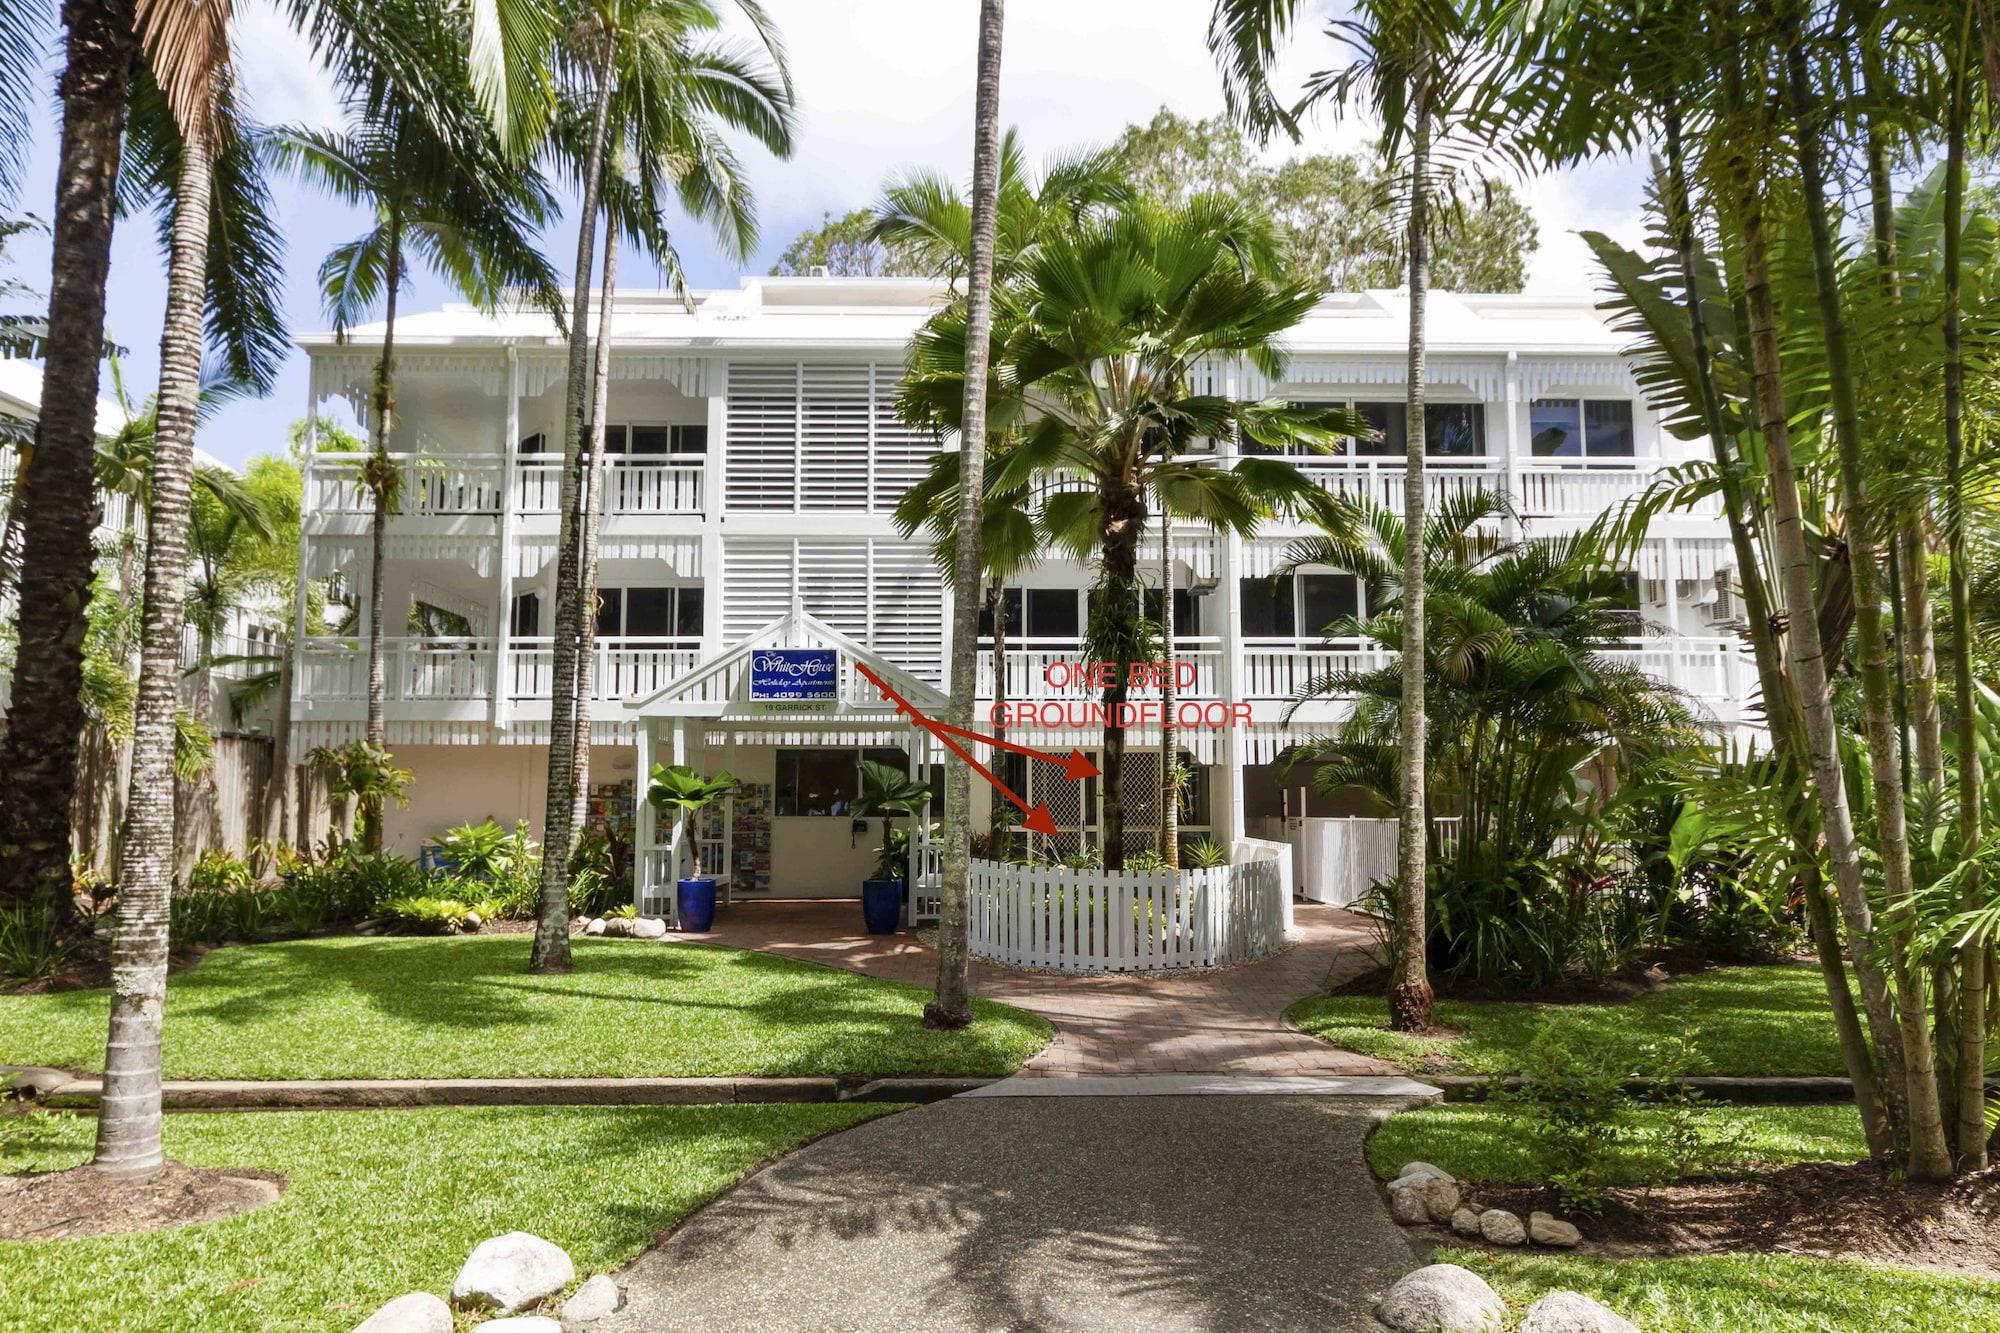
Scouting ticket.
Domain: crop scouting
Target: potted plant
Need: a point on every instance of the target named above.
(679, 789)
(886, 791)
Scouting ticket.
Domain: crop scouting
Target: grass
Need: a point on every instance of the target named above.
(1481, 1142)
(1740, 1020)
(383, 1202)
(1748, 1293)
(466, 1007)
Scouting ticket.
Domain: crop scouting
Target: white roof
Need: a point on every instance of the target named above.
(21, 396)
(775, 313)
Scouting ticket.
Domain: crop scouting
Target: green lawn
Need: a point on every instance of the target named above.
(1748, 1293)
(383, 1202)
(466, 1007)
(1480, 1142)
(1741, 1020)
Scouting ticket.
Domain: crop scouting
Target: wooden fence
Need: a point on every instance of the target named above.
(1126, 920)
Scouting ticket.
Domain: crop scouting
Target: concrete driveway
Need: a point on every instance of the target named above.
(1161, 1214)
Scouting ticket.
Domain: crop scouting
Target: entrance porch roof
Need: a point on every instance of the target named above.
(719, 686)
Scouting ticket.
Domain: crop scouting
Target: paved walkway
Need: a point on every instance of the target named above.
(1224, 1022)
(1161, 1214)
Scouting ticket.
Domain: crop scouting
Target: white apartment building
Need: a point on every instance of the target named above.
(755, 461)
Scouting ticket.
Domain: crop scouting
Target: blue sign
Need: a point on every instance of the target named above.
(794, 675)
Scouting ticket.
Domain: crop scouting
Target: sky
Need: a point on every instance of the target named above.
(882, 84)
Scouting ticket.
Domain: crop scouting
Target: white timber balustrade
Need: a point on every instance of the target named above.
(1382, 480)
(432, 484)
(631, 486)
(1093, 920)
(623, 667)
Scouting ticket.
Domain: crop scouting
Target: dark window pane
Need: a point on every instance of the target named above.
(614, 439)
(690, 440)
(649, 439)
(1607, 424)
(649, 612)
(1454, 430)
(610, 612)
(1052, 614)
(1187, 613)
(1010, 614)
(1325, 598)
(527, 615)
(1555, 428)
(1387, 420)
(1268, 612)
(687, 612)
(817, 782)
(535, 444)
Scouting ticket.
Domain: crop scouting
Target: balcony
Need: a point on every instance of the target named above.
(436, 671)
(1029, 662)
(1381, 479)
(453, 485)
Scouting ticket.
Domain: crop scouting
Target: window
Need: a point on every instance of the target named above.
(1325, 598)
(1269, 611)
(1581, 428)
(535, 444)
(527, 619)
(828, 782)
(1251, 446)
(648, 613)
(1387, 421)
(1454, 430)
(655, 441)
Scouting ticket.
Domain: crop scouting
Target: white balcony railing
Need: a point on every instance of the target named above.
(455, 670)
(631, 485)
(434, 484)
(1038, 669)
(1381, 479)
(622, 668)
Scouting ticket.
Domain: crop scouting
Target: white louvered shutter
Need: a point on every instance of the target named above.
(902, 455)
(834, 453)
(757, 584)
(907, 596)
(763, 436)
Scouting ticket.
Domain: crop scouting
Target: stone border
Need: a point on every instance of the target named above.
(1749, 1090)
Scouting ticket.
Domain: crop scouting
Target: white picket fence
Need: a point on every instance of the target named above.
(1127, 920)
(1336, 859)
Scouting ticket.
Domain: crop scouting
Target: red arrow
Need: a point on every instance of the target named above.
(1076, 767)
(1038, 820)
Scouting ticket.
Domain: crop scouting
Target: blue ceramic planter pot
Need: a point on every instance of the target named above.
(882, 905)
(696, 899)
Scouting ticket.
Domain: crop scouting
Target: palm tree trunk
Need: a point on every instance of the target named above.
(551, 947)
(1920, 654)
(999, 835)
(592, 470)
(1780, 707)
(44, 729)
(1930, 1153)
(951, 1004)
(1124, 512)
(277, 788)
(383, 484)
(1970, 1126)
(1170, 761)
(1410, 997)
(128, 1124)
(1803, 644)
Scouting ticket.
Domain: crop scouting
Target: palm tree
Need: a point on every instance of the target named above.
(653, 91)
(1099, 334)
(1435, 75)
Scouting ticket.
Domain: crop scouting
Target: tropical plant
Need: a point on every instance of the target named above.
(1207, 854)
(642, 92)
(685, 793)
(359, 771)
(888, 791)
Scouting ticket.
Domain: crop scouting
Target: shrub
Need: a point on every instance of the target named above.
(420, 915)
(215, 916)
(33, 944)
(1145, 859)
(1575, 1110)
(1205, 854)
(219, 868)
(486, 850)
(592, 894)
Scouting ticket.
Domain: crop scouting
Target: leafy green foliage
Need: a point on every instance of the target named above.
(33, 944)
(888, 791)
(423, 915)
(1206, 853)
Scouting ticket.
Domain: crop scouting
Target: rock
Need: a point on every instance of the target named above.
(1417, 1169)
(524, 1323)
(595, 926)
(619, 925)
(512, 1272)
(1406, 1205)
(418, 1312)
(648, 928)
(1465, 1222)
(471, 921)
(591, 1301)
(1567, 1312)
(1442, 1298)
(1440, 1198)
(1501, 1227)
(1546, 1230)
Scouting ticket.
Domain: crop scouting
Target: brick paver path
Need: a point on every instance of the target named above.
(1224, 1022)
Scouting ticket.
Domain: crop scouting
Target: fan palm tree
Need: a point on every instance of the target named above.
(1099, 333)
(1435, 74)
(448, 198)
(659, 94)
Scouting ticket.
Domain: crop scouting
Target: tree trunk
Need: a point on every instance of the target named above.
(551, 948)
(1930, 1153)
(1124, 511)
(58, 492)
(277, 821)
(1920, 654)
(1970, 1126)
(951, 1005)
(1410, 997)
(382, 485)
(1780, 707)
(1170, 755)
(999, 832)
(593, 468)
(128, 1123)
(1803, 644)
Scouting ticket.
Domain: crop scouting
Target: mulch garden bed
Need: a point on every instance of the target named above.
(1818, 1209)
(89, 968)
(51, 1205)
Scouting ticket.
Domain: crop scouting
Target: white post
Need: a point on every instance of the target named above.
(1669, 568)
(712, 478)
(1511, 438)
(503, 618)
(645, 823)
(1229, 550)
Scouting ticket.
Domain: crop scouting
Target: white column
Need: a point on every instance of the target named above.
(645, 824)
(1511, 437)
(1228, 558)
(713, 476)
(503, 612)
(1670, 583)
(677, 840)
